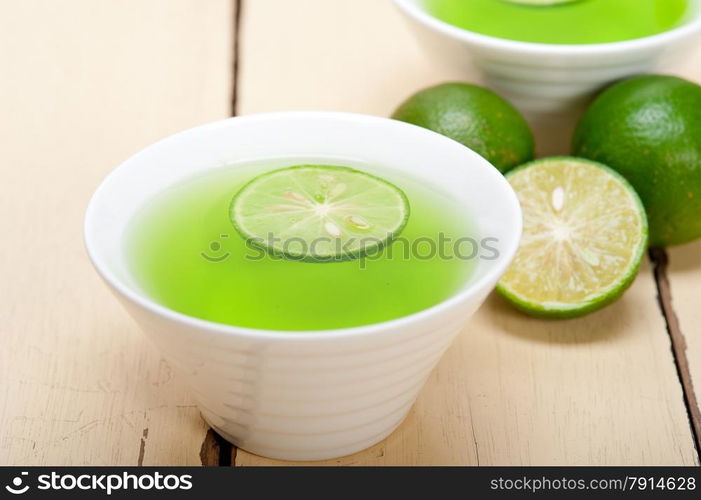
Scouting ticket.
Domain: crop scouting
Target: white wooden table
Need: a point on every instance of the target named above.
(86, 83)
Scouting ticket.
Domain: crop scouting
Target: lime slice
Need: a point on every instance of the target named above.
(584, 236)
(319, 212)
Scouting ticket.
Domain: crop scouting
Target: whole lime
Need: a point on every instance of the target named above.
(648, 128)
(474, 116)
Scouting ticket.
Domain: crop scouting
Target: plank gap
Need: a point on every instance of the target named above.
(216, 451)
(238, 8)
(227, 453)
(660, 261)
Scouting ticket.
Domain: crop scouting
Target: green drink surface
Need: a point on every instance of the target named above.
(577, 22)
(184, 253)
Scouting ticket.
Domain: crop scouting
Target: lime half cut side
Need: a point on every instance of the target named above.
(584, 236)
(319, 212)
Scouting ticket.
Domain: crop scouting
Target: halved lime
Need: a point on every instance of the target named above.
(584, 236)
(319, 212)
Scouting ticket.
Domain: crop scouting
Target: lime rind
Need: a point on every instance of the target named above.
(601, 297)
(348, 213)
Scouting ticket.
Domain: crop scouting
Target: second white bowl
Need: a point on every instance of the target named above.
(546, 77)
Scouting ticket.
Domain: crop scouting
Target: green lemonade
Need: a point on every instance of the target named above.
(184, 252)
(576, 22)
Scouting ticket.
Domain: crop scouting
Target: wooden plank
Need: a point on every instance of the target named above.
(336, 56)
(684, 274)
(511, 390)
(85, 85)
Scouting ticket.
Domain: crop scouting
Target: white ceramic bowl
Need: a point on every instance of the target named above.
(546, 77)
(304, 395)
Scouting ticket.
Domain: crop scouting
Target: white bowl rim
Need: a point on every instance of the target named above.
(411, 8)
(471, 291)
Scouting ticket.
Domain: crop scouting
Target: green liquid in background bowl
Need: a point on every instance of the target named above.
(578, 22)
(183, 251)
